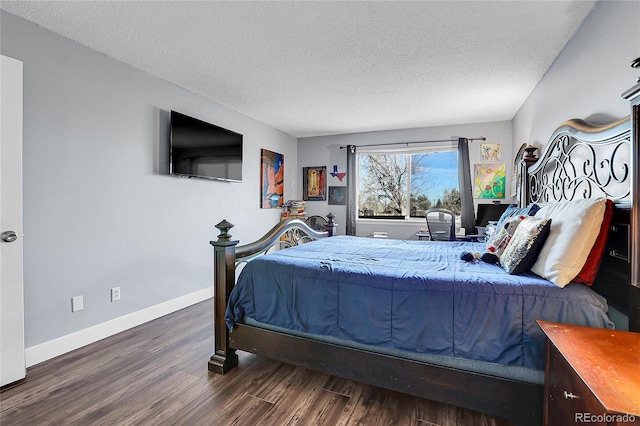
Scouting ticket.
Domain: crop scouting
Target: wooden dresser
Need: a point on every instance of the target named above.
(592, 376)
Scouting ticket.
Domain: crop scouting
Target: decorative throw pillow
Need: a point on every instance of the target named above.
(590, 269)
(511, 211)
(500, 240)
(514, 210)
(574, 228)
(525, 245)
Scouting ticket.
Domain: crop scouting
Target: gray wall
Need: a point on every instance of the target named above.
(588, 77)
(325, 150)
(97, 211)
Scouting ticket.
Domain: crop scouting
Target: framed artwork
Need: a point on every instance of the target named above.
(338, 195)
(489, 180)
(491, 151)
(314, 183)
(271, 179)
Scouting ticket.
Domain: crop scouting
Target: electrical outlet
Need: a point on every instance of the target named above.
(115, 294)
(77, 304)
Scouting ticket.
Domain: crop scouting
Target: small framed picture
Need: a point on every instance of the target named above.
(491, 151)
(314, 183)
(338, 195)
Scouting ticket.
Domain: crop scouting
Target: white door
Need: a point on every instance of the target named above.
(12, 354)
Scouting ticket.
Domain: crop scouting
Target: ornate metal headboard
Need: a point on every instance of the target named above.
(582, 160)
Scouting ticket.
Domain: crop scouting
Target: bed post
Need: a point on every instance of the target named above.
(331, 227)
(524, 193)
(224, 358)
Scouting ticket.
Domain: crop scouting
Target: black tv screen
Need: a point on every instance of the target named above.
(487, 212)
(204, 150)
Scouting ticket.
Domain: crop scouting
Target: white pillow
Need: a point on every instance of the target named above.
(575, 225)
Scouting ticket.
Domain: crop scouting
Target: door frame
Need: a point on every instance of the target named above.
(12, 341)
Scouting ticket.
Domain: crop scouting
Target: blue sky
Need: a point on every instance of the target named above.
(441, 172)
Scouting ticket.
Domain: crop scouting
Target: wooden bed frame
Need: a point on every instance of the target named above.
(519, 402)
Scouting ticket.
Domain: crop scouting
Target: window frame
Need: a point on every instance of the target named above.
(410, 149)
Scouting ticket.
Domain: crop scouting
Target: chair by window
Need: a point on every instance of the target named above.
(441, 224)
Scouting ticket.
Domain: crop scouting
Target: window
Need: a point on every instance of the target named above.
(399, 184)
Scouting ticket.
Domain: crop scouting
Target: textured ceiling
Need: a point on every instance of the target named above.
(316, 68)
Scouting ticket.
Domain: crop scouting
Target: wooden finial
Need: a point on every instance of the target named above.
(224, 228)
(530, 149)
(330, 216)
(636, 64)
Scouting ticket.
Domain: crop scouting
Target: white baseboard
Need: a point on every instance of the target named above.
(53, 348)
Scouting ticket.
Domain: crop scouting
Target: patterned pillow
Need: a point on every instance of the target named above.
(500, 239)
(525, 245)
(514, 210)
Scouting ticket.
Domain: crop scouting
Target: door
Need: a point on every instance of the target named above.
(12, 351)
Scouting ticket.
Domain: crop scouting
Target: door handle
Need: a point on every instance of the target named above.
(8, 236)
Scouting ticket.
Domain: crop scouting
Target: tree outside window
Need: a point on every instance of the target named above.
(383, 186)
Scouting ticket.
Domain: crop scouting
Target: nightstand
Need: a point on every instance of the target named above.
(592, 376)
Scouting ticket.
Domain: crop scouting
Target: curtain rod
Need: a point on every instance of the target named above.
(481, 138)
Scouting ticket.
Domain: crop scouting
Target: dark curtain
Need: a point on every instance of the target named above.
(352, 212)
(467, 216)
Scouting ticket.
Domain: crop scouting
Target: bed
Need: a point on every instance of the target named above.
(457, 332)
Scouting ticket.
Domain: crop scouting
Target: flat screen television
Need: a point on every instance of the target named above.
(203, 150)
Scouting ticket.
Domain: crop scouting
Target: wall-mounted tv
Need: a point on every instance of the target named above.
(203, 150)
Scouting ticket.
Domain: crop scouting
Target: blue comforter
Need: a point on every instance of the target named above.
(410, 295)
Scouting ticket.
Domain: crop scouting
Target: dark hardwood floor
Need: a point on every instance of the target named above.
(156, 374)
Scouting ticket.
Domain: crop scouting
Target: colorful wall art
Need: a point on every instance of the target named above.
(338, 195)
(489, 180)
(271, 179)
(491, 151)
(314, 183)
(337, 173)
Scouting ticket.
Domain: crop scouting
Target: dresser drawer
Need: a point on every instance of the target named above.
(618, 243)
(567, 399)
